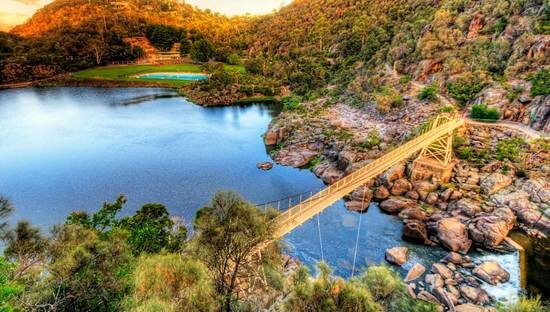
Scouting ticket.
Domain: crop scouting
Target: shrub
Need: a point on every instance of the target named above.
(387, 98)
(176, 280)
(525, 305)
(509, 149)
(481, 111)
(202, 50)
(292, 103)
(234, 59)
(373, 139)
(447, 109)
(428, 93)
(464, 152)
(382, 282)
(466, 87)
(458, 141)
(540, 82)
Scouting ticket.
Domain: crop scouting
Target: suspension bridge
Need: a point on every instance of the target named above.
(434, 144)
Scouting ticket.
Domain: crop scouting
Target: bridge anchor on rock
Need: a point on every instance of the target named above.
(436, 160)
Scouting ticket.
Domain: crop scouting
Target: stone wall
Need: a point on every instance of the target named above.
(486, 137)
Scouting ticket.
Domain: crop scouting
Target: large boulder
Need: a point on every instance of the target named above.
(328, 173)
(442, 270)
(274, 135)
(345, 160)
(264, 165)
(469, 307)
(490, 231)
(474, 295)
(397, 255)
(444, 297)
(494, 182)
(538, 190)
(394, 173)
(465, 206)
(400, 187)
(413, 214)
(453, 257)
(415, 272)
(415, 231)
(360, 199)
(434, 280)
(381, 193)
(453, 235)
(423, 188)
(397, 204)
(296, 156)
(491, 272)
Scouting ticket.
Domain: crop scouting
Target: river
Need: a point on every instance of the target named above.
(67, 149)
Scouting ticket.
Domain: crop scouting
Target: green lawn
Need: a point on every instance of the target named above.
(124, 72)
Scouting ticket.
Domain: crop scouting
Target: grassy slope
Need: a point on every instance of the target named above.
(124, 72)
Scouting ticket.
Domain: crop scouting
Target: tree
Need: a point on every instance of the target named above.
(27, 246)
(5, 211)
(185, 46)
(229, 233)
(149, 229)
(88, 271)
(202, 50)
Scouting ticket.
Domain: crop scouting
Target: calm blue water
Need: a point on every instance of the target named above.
(175, 76)
(67, 149)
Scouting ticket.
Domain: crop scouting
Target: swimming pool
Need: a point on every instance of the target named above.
(175, 76)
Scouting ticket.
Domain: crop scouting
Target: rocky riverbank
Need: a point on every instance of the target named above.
(494, 188)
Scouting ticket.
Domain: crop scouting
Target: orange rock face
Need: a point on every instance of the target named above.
(475, 26)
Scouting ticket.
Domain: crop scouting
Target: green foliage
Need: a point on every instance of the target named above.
(228, 231)
(428, 93)
(292, 103)
(540, 82)
(464, 152)
(383, 283)
(447, 109)
(88, 272)
(458, 141)
(314, 162)
(234, 59)
(185, 46)
(5, 211)
(326, 293)
(386, 98)
(466, 87)
(202, 50)
(481, 111)
(175, 281)
(9, 288)
(378, 289)
(150, 230)
(373, 139)
(25, 244)
(509, 148)
(163, 37)
(525, 304)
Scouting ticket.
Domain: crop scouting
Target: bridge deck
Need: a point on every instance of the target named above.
(300, 213)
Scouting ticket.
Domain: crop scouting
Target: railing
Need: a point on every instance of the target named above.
(305, 209)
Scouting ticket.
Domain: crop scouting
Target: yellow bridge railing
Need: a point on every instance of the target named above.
(442, 126)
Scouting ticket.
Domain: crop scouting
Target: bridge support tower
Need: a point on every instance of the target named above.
(436, 160)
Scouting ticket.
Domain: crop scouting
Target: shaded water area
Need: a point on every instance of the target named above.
(67, 149)
(537, 261)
